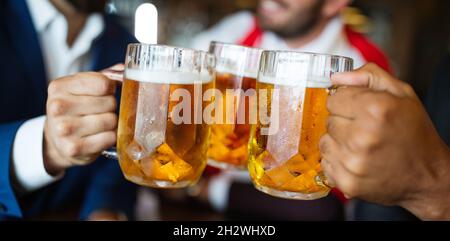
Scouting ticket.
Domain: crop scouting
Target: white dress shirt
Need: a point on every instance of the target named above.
(234, 28)
(60, 60)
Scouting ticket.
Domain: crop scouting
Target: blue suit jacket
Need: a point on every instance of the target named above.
(23, 94)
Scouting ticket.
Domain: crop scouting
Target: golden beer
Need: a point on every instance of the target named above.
(299, 172)
(237, 67)
(229, 141)
(286, 162)
(155, 147)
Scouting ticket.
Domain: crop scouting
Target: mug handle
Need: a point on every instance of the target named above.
(111, 153)
(115, 73)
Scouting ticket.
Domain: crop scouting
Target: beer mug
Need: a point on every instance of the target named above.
(292, 90)
(162, 139)
(236, 68)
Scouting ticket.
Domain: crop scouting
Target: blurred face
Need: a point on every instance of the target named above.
(88, 6)
(289, 18)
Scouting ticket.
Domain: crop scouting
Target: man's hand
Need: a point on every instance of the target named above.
(381, 145)
(81, 120)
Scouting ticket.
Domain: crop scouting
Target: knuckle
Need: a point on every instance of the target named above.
(382, 107)
(330, 125)
(73, 148)
(364, 141)
(370, 140)
(358, 166)
(327, 169)
(57, 107)
(54, 87)
(355, 143)
(323, 145)
(349, 185)
(64, 128)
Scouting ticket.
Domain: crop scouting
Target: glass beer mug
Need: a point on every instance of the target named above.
(236, 67)
(161, 141)
(292, 90)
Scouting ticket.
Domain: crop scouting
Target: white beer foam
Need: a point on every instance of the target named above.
(166, 77)
(248, 74)
(312, 82)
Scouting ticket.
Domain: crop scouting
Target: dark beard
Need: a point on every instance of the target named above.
(296, 29)
(88, 6)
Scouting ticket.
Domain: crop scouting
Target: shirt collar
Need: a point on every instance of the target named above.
(93, 28)
(42, 13)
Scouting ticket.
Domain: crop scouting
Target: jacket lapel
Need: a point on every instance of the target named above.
(26, 44)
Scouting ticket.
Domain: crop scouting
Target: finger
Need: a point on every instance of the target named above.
(329, 148)
(327, 169)
(343, 102)
(81, 105)
(95, 144)
(370, 76)
(330, 164)
(118, 67)
(115, 72)
(333, 157)
(94, 124)
(88, 84)
(339, 128)
(341, 155)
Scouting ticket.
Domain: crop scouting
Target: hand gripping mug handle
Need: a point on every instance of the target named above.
(115, 73)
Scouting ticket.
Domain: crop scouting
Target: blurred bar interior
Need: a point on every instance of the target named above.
(413, 33)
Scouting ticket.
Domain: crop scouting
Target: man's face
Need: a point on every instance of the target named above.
(88, 6)
(289, 18)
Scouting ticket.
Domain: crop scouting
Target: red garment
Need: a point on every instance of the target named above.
(253, 37)
(369, 51)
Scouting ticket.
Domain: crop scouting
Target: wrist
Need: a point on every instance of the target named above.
(433, 207)
(432, 201)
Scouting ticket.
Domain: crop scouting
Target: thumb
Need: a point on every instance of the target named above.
(373, 77)
(114, 72)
